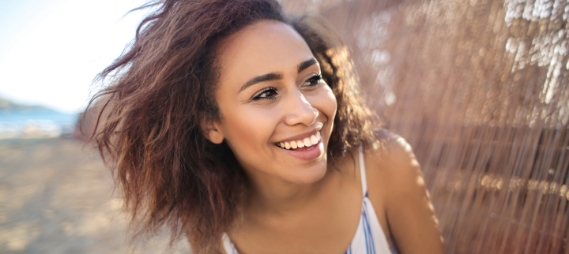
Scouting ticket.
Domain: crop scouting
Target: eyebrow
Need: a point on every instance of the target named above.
(302, 66)
(276, 76)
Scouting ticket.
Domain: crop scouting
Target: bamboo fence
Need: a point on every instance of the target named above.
(480, 89)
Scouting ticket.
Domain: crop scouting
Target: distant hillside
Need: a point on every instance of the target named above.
(6, 105)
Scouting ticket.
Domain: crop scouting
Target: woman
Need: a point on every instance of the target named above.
(243, 130)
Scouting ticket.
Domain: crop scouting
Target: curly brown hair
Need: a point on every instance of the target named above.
(149, 131)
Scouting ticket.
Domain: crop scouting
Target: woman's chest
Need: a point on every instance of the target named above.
(327, 227)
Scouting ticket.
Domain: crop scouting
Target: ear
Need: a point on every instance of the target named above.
(212, 131)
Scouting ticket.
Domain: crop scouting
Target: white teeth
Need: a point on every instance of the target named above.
(293, 144)
(313, 139)
(306, 142)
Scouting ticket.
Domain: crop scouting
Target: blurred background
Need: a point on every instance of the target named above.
(479, 88)
(55, 194)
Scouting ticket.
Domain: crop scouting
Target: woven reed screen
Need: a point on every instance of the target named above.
(480, 89)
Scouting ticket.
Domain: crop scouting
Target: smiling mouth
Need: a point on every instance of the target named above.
(301, 143)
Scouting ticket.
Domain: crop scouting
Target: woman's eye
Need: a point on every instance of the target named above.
(313, 81)
(268, 93)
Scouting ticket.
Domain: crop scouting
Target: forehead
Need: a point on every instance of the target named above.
(264, 47)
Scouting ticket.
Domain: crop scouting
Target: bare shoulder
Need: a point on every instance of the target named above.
(393, 164)
(396, 181)
(398, 170)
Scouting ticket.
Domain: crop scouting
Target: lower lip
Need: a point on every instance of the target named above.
(311, 153)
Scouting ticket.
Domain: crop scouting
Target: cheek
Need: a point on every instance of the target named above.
(248, 133)
(247, 128)
(326, 103)
(333, 103)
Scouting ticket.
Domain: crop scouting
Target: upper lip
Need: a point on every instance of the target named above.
(302, 136)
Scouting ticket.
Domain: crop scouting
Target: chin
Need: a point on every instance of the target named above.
(310, 175)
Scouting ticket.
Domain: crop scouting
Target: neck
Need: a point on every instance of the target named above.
(277, 197)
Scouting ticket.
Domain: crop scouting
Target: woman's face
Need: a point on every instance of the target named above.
(276, 111)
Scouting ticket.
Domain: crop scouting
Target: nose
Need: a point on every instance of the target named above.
(299, 110)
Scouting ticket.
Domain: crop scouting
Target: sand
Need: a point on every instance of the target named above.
(57, 197)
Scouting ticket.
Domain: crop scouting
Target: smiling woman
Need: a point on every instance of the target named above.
(243, 130)
(265, 104)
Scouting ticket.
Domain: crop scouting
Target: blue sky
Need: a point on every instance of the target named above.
(50, 50)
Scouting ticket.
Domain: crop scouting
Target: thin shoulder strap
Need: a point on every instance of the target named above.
(362, 170)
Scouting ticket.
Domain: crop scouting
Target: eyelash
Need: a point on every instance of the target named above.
(314, 80)
(263, 94)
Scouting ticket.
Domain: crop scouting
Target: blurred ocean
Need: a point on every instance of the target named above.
(36, 122)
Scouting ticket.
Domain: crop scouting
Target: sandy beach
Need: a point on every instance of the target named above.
(57, 197)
